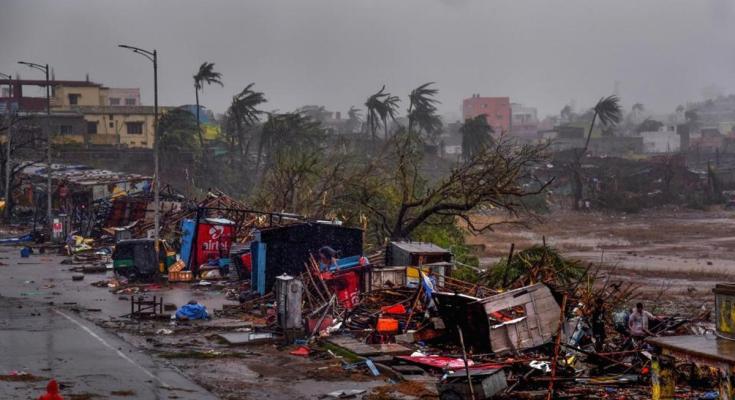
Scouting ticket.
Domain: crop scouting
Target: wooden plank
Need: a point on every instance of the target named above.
(351, 344)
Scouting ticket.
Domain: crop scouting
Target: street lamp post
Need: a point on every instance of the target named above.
(153, 57)
(8, 164)
(45, 69)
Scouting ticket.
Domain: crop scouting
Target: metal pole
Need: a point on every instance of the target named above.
(157, 180)
(153, 56)
(8, 164)
(49, 221)
(466, 364)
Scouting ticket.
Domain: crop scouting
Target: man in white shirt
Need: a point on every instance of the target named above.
(638, 322)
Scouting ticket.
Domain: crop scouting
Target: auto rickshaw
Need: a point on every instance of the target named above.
(136, 259)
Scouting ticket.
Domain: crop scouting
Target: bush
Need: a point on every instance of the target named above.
(544, 262)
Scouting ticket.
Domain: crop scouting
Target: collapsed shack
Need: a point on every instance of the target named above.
(532, 341)
(523, 326)
(512, 321)
(77, 192)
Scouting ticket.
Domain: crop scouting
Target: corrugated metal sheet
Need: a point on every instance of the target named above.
(537, 326)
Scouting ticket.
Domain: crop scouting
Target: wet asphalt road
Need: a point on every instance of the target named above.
(41, 336)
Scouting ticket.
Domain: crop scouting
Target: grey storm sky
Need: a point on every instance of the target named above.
(544, 53)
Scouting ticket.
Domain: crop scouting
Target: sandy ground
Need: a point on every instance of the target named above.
(676, 256)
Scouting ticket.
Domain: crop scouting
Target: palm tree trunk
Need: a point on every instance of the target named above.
(589, 134)
(385, 126)
(577, 182)
(199, 127)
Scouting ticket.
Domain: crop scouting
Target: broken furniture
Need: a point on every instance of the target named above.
(486, 383)
(142, 307)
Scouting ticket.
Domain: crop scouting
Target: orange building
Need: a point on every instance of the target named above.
(496, 109)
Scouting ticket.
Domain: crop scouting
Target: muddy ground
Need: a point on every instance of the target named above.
(675, 255)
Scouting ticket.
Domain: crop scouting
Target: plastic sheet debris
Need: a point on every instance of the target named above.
(302, 351)
(345, 394)
(192, 310)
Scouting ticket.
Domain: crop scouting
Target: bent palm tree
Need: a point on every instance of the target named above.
(607, 110)
(245, 114)
(476, 136)
(354, 119)
(375, 110)
(422, 110)
(206, 74)
(389, 109)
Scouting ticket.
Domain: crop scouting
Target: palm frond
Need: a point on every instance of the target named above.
(207, 74)
(608, 110)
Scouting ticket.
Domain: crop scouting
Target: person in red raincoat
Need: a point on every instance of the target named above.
(52, 391)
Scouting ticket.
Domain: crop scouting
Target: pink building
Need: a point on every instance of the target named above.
(496, 109)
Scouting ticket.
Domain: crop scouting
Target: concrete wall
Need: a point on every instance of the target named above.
(115, 125)
(122, 95)
(90, 96)
(660, 142)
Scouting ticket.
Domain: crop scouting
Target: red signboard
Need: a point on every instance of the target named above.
(346, 285)
(213, 241)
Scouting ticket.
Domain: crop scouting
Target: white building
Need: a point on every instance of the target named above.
(665, 140)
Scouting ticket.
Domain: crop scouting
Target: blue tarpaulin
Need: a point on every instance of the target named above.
(192, 310)
(24, 238)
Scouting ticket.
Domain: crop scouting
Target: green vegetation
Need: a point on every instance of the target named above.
(532, 265)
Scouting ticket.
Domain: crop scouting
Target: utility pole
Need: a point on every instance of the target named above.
(153, 57)
(8, 164)
(49, 171)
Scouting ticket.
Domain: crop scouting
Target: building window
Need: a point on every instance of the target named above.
(74, 98)
(135, 128)
(112, 124)
(114, 101)
(130, 102)
(65, 129)
(91, 127)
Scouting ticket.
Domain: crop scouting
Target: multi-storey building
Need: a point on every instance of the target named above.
(497, 111)
(86, 112)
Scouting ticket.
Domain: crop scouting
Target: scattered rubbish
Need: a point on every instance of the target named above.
(302, 351)
(77, 277)
(485, 384)
(164, 331)
(21, 376)
(26, 252)
(240, 338)
(345, 394)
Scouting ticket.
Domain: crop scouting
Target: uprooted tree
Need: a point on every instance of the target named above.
(398, 199)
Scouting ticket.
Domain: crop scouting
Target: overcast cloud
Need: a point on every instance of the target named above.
(336, 52)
